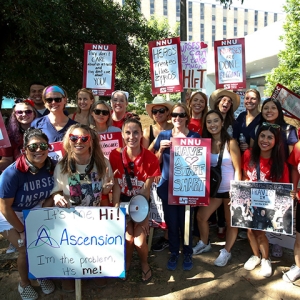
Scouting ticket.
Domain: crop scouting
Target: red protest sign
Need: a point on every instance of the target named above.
(56, 151)
(110, 141)
(165, 66)
(99, 68)
(189, 182)
(289, 101)
(230, 66)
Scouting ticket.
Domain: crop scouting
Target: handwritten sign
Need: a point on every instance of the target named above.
(165, 66)
(262, 205)
(110, 141)
(194, 64)
(289, 101)
(156, 215)
(99, 68)
(4, 139)
(189, 171)
(230, 64)
(79, 242)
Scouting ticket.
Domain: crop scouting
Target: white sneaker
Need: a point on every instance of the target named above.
(201, 248)
(266, 267)
(11, 249)
(252, 262)
(223, 258)
(46, 285)
(28, 292)
(292, 274)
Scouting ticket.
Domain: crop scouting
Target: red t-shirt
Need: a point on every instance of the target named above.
(195, 125)
(265, 166)
(146, 165)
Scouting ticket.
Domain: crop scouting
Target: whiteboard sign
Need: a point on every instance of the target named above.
(80, 242)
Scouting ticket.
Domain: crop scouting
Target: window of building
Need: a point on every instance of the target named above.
(246, 10)
(235, 20)
(235, 9)
(202, 28)
(190, 9)
(275, 17)
(213, 18)
(224, 19)
(213, 6)
(177, 8)
(213, 30)
(255, 18)
(246, 22)
(190, 37)
(165, 7)
(152, 7)
(266, 18)
(235, 31)
(245, 33)
(190, 26)
(224, 30)
(202, 11)
(213, 38)
(202, 37)
(255, 28)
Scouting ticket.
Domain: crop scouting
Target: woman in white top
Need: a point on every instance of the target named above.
(231, 170)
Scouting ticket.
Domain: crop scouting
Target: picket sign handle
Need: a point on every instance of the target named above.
(78, 289)
(187, 224)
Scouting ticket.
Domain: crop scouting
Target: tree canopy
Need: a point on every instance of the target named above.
(44, 41)
(287, 72)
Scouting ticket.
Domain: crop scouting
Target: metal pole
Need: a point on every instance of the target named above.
(183, 33)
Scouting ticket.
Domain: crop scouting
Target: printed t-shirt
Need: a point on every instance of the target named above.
(146, 165)
(265, 167)
(45, 125)
(195, 125)
(26, 188)
(78, 188)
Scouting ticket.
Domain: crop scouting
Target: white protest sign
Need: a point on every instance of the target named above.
(79, 242)
(262, 197)
(156, 214)
(110, 141)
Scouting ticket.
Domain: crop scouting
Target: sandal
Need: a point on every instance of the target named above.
(276, 250)
(145, 274)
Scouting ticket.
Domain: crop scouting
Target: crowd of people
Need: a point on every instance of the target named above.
(85, 177)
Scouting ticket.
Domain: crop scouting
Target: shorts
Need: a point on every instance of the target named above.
(298, 217)
(222, 195)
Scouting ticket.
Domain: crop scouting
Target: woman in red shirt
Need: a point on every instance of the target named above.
(267, 151)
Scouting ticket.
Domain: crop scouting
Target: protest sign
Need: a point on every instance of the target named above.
(56, 151)
(194, 64)
(241, 107)
(99, 68)
(290, 102)
(189, 182)
(78, 242)
(264, 206)
(110, 141)
(230, 67)
(165, 66)
(156, 216)
(4, 140)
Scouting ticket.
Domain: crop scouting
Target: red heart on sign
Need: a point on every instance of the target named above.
(203, 45)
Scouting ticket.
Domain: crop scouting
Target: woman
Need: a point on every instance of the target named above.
(227, 103)
(85, 100)
(266, 155)
(22, 115)
(135, 168)
(231, 170)
(294, 273)
(31, 167)
(248, 119)
(101, 119)
(82, 176)
(197, 108)
(271, 112)
(56, 123)
(159, 112)
(174, 214)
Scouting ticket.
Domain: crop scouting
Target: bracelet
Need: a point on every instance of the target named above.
(20, 231)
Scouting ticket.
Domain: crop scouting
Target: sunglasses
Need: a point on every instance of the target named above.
(131, 167)
(104, 112)
(180, 115)
(161, 111)
(33, 147)
(27, 112)
(266, 124)
(50, 100)
(74, 138)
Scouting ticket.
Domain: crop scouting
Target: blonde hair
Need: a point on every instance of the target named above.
(84, 90)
